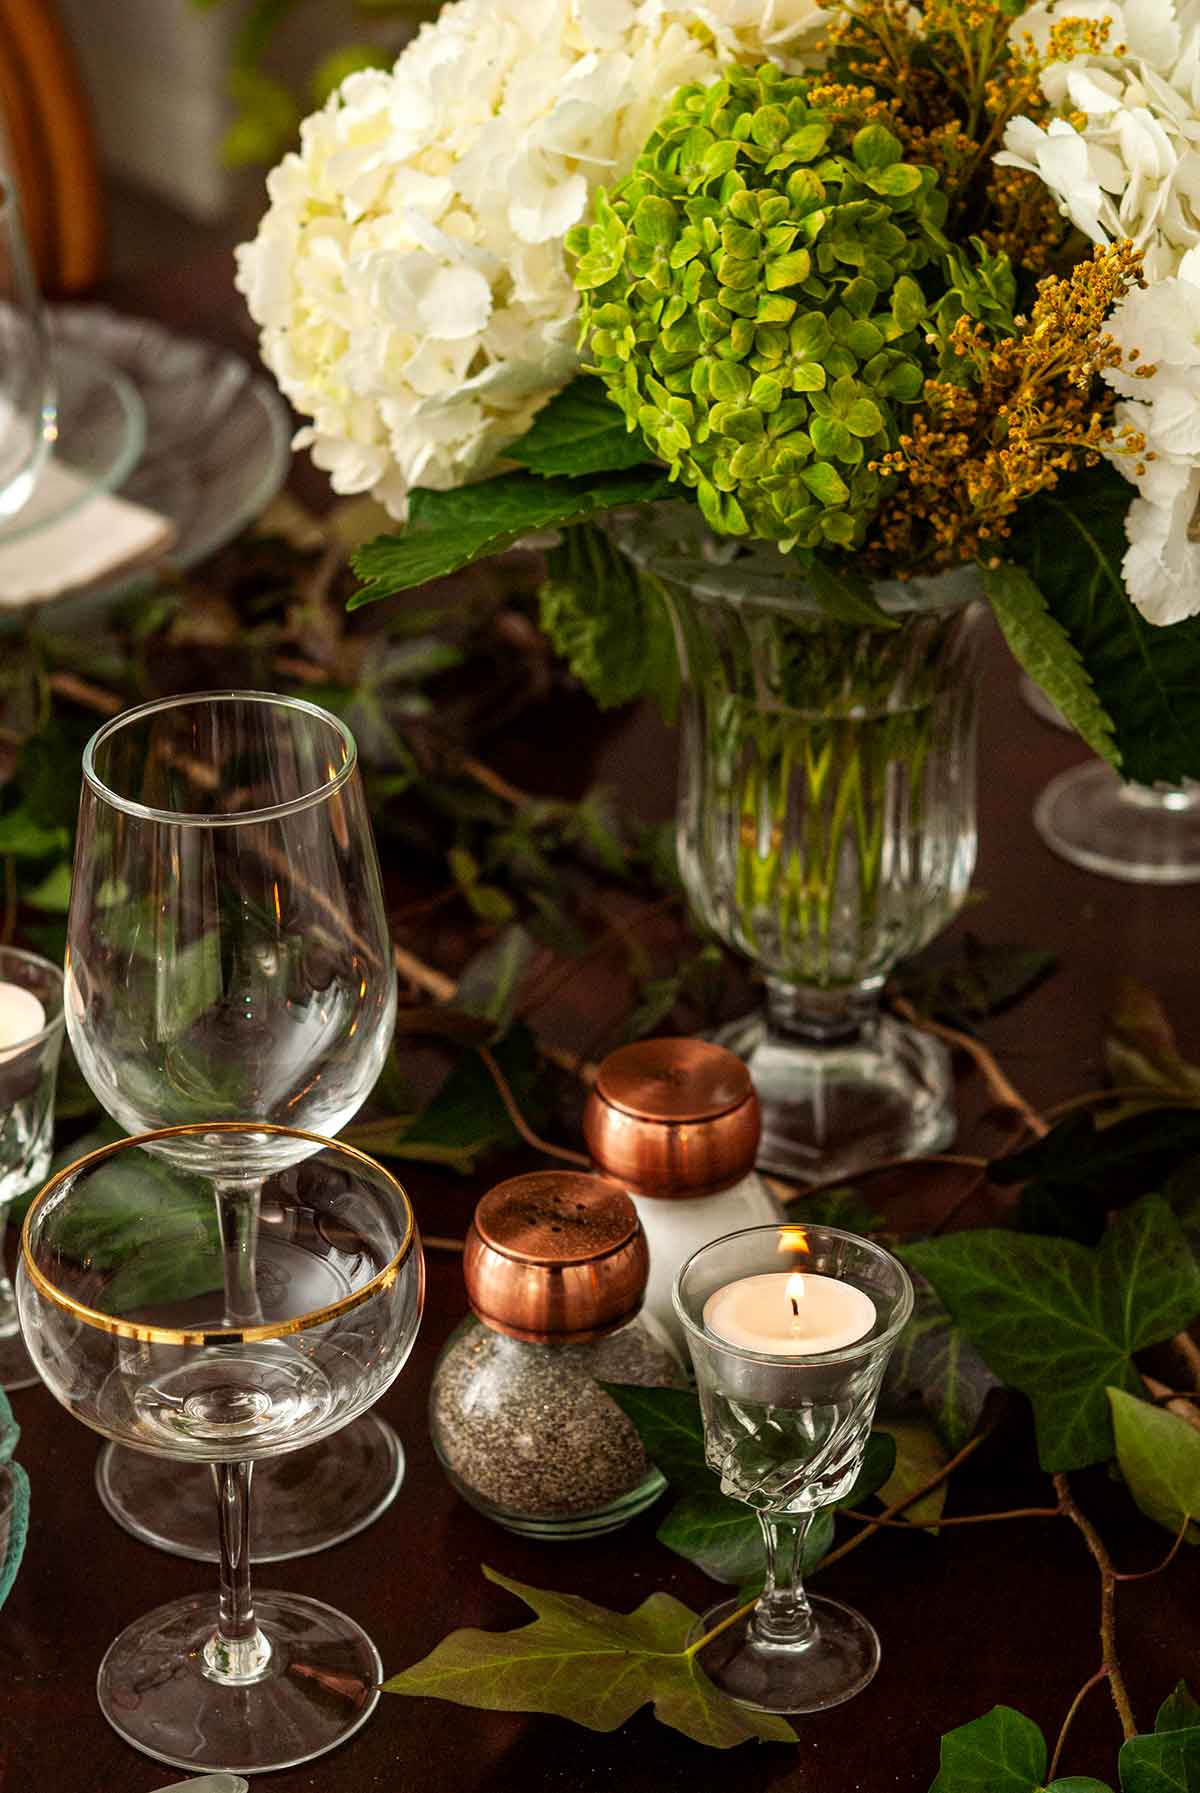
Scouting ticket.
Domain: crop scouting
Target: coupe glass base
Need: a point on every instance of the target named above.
(843, 1106)
(1140, 834)
(835, 1664)
(305, 1500)
(321, 1684)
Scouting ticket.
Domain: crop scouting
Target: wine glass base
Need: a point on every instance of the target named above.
(837, 1109)
(306, 1500)
(321, 1684)
(838, 1661)
(16, 1365)
(1141, 835)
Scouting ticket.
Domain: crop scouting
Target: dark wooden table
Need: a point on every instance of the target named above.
(981, 1616)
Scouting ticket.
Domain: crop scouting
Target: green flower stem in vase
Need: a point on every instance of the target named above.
(826, 826)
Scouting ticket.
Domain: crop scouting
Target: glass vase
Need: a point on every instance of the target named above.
(826, 827)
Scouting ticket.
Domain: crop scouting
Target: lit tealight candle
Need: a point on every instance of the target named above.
(21, 1017)
(789, 1315)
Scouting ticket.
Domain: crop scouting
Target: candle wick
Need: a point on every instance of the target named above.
(795, 1307)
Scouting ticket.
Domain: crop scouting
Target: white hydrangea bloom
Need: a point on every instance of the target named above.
(1133, 169)
(409, 277)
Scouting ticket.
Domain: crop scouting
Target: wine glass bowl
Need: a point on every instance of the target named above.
(786, 1432)
(121, 1289)
(28, 1076)
(27, 405)
(228, 954)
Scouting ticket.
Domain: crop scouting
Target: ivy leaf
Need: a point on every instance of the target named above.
(1140, 1048)
(580, 431)
(1167, 1762)
(1146, 678)
(1179, 1711)
(595, 1667)
(934, 1362)
(1159, 1456)
(467, 1118)
(609, 622)
(920, 1454)
(448, 530)
(1044, 649)
(1108, 1165)
(671, 1429)
(1002, 1752)
(963, 982)
(1060, 1322)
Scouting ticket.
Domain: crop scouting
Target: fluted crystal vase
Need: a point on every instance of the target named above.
(826, 827)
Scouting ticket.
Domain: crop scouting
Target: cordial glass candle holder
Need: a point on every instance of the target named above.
(555, 1267)
(677, 1123)
(790, 1329)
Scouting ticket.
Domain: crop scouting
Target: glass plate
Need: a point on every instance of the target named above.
(100, 430)
(218, 435)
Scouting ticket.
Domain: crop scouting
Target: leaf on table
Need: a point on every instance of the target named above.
(671, 1429)
(595, 1667)
(1061, 1322)
(1002, 1752)
(846, 1208)
(920, 1454)
(1114, 1164)
(962, 982)
(1062, 1211)
(1140, 1048)
(448, 530)
(935, 1363)
(1165, 1762)
(721, 1536)
(1045, 650)
(1179, 1711)
(490, 984)
(580, 431)
(24, 836)
(1159, 1457)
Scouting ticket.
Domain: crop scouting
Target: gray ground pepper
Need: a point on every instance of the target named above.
(525, 1426)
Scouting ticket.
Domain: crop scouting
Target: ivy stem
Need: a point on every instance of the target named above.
(1149, 1574)
(911, 1525)
(518, 1119)
(1109, 1666)
(873, 1525)
(1092, 1681)
(1005, 1094)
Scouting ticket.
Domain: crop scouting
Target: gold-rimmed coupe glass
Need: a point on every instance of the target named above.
(121, 1292)
(229, 958)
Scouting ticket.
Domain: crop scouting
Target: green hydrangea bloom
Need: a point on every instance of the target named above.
(751, 302)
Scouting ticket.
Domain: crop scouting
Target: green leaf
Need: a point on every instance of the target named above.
(721, 1536)
(1060, 1322)
(23, 836)
(838, 1207)
(580, 431)
(964, 981)
(846, 597)
(490, 984)
(937, 1364)
(1109, 1165)
(54, 891)
(1167, 1762)
(1140, 1047)
(467, 1118)
(1179, 1711)
(1044, 649)
(1002, 1752)
(920, 1454)
(671, 1430)
(595, 1667)
(609, 623)
(1146, 678)
(448, 530)
(1159, 1456)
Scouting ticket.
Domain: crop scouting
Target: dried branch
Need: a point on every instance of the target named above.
(518, 1119)
(1109, 1664)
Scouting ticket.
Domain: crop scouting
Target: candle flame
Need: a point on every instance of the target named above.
(793, 1238)
(795, 1291)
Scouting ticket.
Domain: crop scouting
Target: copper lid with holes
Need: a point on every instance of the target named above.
(673, 1118)
(556, 1255)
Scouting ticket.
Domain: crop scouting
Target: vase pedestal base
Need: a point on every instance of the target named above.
(845, 1106)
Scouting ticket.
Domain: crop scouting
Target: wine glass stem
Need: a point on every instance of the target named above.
(237, 1653)
(783, 1618)
(237, 1217)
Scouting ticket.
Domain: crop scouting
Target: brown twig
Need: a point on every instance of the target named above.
(916, 1525)
(1149, 1574)
(1004, 1093)
(493, 781)
(518, 1119)
(1109, 1664)
(84, 693)
(1068, 1721)
(1180, 1405)
(433, 1242)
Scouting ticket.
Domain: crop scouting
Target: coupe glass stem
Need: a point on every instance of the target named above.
(783, 1618)
(237, 1217)
(237, 1652)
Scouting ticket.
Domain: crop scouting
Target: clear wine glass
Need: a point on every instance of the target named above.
(786, 1434)
(229, 959)
(27, 407)
(121, 1289)
(28, 1075)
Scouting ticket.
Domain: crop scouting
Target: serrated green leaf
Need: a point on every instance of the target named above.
(1179, 1711)
(1043, 648)
(846, 598)
(1167, 1762)
(1060, 1322)
(595, 1667)
(609, 623)
(579, 432)
(448, 530)
(1159, 1456)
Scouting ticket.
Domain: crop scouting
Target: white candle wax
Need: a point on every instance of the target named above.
(21, 1016)
(789, 1314)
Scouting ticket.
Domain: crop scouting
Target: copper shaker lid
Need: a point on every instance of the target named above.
(555, 1255)
(674, 1117)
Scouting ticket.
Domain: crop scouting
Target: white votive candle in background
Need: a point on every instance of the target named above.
(21, 1017)
(789, 1314)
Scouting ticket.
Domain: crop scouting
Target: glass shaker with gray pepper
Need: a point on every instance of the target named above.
(555, 1268)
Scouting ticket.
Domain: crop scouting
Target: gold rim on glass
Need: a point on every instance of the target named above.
(238, 818)
(233, 1335)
